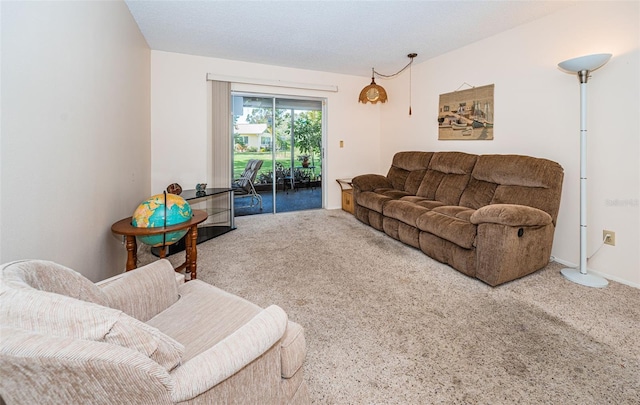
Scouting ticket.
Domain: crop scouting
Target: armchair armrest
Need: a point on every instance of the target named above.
(230, 355)
(143, 292)
(510, 215)
(369, 182)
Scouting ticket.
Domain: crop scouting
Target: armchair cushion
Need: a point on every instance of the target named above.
(22, 306)
(52, 277)
(199, 330)
(76, 371)
(230, 355)
(143, 293)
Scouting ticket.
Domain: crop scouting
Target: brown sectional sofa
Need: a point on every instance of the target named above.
(488, 216)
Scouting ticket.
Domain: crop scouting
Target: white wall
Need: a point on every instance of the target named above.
(75, 131)
(537, 114)
(180, 107)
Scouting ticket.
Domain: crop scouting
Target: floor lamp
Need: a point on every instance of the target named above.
(583, 66)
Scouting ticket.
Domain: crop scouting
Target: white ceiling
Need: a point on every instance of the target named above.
(348, 37)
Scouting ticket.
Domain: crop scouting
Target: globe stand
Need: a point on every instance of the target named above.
(204, 234)
(130, 232)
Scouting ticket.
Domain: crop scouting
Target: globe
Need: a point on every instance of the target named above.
(158, 211)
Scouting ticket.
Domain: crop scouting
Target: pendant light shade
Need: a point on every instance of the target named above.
(373, 93)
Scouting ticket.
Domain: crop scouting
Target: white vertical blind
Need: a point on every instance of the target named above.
(221, 134)
(221, 148)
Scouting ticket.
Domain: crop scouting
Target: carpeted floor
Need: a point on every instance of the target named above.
(385, 324)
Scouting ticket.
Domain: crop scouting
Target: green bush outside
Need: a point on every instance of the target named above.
(240, 160)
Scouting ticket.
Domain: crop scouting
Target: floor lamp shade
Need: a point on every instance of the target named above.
(583, 66)
(588, 63)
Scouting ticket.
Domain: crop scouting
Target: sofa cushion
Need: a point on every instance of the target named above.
(402, 166)
(515, 170)
(450, 223)
(523, 180)
(23, 306)
(447, 176)
(414, 179)
(462, 213)
(404, 211)
(478, 193)
(429, 204)
(421, 201)
(394, 194)
(373, 200)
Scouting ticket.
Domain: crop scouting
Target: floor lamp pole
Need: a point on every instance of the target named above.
(583, 66)
(583, 171)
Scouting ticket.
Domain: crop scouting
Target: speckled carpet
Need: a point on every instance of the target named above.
(385, 324)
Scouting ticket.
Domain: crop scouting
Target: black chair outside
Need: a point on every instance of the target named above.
(244, 186)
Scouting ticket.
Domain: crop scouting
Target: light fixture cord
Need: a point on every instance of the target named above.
(410, 86)
(395, 74)
(408, 65)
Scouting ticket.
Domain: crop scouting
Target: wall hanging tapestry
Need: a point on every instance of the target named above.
(466, 114)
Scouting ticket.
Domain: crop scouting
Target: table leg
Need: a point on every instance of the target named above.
(191, 251)
(132, 252)
(187, 255)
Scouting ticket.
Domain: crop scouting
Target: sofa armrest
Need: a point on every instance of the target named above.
(369, 182)
(230, 355)
(143, 292)
(510, 215)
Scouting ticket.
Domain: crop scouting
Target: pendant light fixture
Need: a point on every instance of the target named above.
(374, 93)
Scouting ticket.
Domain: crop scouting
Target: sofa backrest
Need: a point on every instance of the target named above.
(447, 177)
(515, 179)
(407, 170)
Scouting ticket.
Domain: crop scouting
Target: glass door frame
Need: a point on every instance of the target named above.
(274, 97)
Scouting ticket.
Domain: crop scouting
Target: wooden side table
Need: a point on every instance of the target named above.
(124, 227)
(347, 195)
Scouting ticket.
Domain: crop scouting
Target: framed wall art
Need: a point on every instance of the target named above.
(466, 114)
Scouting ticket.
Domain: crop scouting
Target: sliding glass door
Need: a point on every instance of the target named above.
(284, 138)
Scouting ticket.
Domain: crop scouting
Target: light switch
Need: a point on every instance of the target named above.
(342, 144)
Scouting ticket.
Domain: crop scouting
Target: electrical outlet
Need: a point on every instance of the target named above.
(610, 239)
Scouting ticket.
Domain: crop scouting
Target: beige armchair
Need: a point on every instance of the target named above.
(143, 337)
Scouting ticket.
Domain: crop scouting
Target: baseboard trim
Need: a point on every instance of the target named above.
(607, 276)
